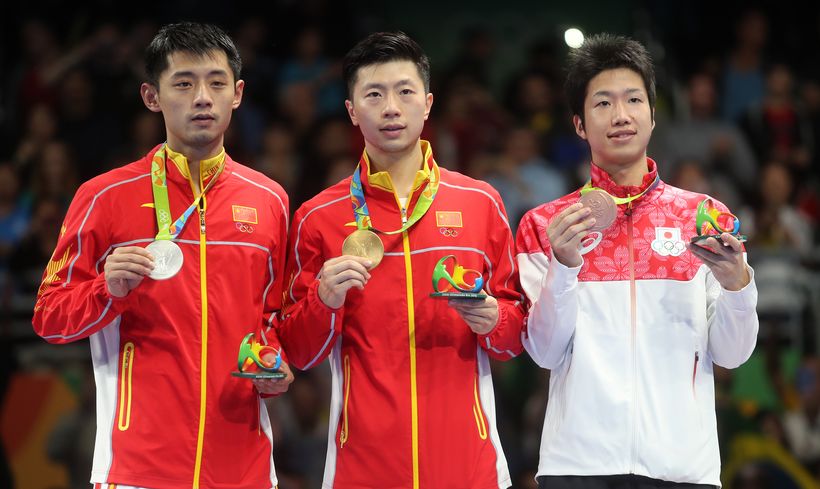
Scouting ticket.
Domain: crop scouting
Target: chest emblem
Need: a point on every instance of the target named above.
(668, 242)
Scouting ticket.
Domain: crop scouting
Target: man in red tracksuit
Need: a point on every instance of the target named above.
(412, 403)
(164, 341)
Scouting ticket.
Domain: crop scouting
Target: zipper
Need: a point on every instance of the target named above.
(345, 433)
(203, 293)
(633, 310)
(478, 413)
(126, 386)
(411, 330)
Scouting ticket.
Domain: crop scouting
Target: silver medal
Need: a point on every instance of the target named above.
(167, 259)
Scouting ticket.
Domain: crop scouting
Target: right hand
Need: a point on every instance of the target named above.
(340, 274)
(125, 268)
(566, 231)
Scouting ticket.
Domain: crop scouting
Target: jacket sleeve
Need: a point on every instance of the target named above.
(306, 327)
(504, 340)
(73, 301)
(273, 298)
(731, 318)
(551, 289)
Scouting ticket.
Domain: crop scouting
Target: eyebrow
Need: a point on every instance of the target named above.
(607, 93)
(180, 74)
(381, 86)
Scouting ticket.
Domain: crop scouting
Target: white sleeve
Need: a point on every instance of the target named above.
(732, 320)
(552, 291)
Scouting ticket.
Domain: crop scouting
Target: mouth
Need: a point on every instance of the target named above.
(621, 135)
(203, 118)
(392, 130)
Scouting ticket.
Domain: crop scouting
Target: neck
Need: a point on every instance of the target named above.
(629, 176)
(196, 153)
(401, 168)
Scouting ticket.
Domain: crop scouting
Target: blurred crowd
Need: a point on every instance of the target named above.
(741, 122)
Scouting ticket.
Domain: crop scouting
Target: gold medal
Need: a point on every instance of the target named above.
(366, 244)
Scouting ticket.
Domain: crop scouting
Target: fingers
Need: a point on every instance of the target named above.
(271, 386)
(341, 264)
(129, 263)
(571, 221)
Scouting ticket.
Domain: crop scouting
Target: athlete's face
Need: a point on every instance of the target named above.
(196, 95)
(389, 104)
(618, 119)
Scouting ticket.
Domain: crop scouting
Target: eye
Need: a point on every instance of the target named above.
(372, 95)
(602, 103)
(407, 91)
(182, 84)
(219, 84)
(635, 100)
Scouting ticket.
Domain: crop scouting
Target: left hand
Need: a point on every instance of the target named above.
(480, 316)
(724, 258)
(274, 387)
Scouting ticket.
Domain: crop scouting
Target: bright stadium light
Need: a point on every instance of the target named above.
(573, 37)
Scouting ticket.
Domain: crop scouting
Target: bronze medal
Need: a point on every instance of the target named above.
(603, 208)
(366, 244)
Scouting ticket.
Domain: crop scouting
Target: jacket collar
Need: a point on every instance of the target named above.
(601, 179)
(381, 180)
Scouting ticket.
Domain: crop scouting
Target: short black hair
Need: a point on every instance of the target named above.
(603, 52)
(383, 47)
(189, 37)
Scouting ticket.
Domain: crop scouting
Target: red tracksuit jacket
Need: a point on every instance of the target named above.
(169, 414)
(412, 402)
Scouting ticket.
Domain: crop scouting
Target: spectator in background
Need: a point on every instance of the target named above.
(743, 79)
(802, 424)
(522, 176)
(777, 226)
(40, 129)
(777, 126)
(701, 136)
(15, 213)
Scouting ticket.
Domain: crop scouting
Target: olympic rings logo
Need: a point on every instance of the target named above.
(450, 232)
(245, 228)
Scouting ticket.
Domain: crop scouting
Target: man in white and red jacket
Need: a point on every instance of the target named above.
(169, 413)
(412, 404)
(629, 319)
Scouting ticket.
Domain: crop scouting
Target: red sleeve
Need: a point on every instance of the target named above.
(73, 301)
(306, 327)
(504, 341)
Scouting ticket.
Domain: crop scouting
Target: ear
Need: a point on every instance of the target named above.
(237, 93)
(579, 126)
(429, 105)
(351, 112)
(653, 117)
(150, 97)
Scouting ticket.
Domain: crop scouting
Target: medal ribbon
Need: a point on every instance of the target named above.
(622, 200)
(363, 215)
(167, 229)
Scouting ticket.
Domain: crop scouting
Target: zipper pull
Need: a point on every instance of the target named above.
(403, 215)
(201, 218)
(628, 211)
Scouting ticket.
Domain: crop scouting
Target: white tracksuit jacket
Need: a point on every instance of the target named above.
(630, 338)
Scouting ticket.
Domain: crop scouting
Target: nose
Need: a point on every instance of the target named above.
(620, 115)
(202, 97)
(391, 106)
